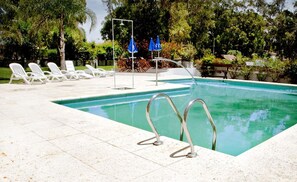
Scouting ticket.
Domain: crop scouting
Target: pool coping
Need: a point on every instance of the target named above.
(270, 160)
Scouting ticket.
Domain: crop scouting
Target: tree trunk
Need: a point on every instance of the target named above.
(62, 45)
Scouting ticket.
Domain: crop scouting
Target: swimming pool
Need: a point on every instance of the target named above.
(245, 114)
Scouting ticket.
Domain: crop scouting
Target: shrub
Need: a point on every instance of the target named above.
(207, 59)
(205, 65)
(262, 74)
(291, 72)
(235, 69)
(276, 68)
(246, 71)
(187, 52)
(234, 53)
(170, 50)
(261, 69)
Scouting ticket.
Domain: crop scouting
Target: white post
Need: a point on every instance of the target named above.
(157, 69)
(132, 58)
(157, 72)
(114, 64)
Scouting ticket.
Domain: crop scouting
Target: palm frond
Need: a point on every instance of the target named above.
(91, 14)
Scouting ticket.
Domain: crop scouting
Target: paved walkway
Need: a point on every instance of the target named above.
(43, 141)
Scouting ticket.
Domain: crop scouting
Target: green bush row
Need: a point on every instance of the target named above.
(272, 67)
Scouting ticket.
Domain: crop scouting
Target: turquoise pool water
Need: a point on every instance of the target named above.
(245, 114)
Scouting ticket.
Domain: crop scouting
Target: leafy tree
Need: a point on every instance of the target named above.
(261, 6)
(239, 30)
(179, 29)
(100, 51)
(148, 21)
(111, 4)
(202, 22)
(285, 32)
(276, 6)
(63, 14)
(20, 44)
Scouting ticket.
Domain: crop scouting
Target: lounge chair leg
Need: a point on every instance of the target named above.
(28, 81)
(11, 79)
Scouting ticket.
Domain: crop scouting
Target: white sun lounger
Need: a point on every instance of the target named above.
(95, 72)
(58, 74)
(18, 73)
(80, 73)
(35, 68)
(99, 71)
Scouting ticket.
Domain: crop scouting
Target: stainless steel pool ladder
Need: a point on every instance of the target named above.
(183, 122)
(214, 130)
(159, 142)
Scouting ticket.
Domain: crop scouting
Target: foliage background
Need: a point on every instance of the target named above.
(32, 30)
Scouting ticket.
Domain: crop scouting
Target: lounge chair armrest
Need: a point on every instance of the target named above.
(31, 74)
(47, 72)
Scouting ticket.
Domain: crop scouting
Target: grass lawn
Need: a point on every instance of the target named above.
(4, 75)
(6, 72)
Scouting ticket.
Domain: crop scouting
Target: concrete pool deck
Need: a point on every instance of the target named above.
(43, 141)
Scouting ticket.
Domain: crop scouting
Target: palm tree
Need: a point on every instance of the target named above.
(60, 14)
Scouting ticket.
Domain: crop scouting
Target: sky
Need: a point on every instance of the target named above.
(100, 9)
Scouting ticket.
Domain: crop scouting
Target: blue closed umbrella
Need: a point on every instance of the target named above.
(132, 46)
(158, 46)
(152, 45)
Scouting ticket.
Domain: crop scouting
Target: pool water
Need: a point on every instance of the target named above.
(245, 114)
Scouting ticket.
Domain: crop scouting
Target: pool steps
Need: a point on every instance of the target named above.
(183, 121)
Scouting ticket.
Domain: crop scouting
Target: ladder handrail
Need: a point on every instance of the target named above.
(214, 138)
(183, 121)
(159, 142)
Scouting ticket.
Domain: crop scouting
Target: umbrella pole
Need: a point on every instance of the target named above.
(132, 58)
(156, 72)
(132, 70)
